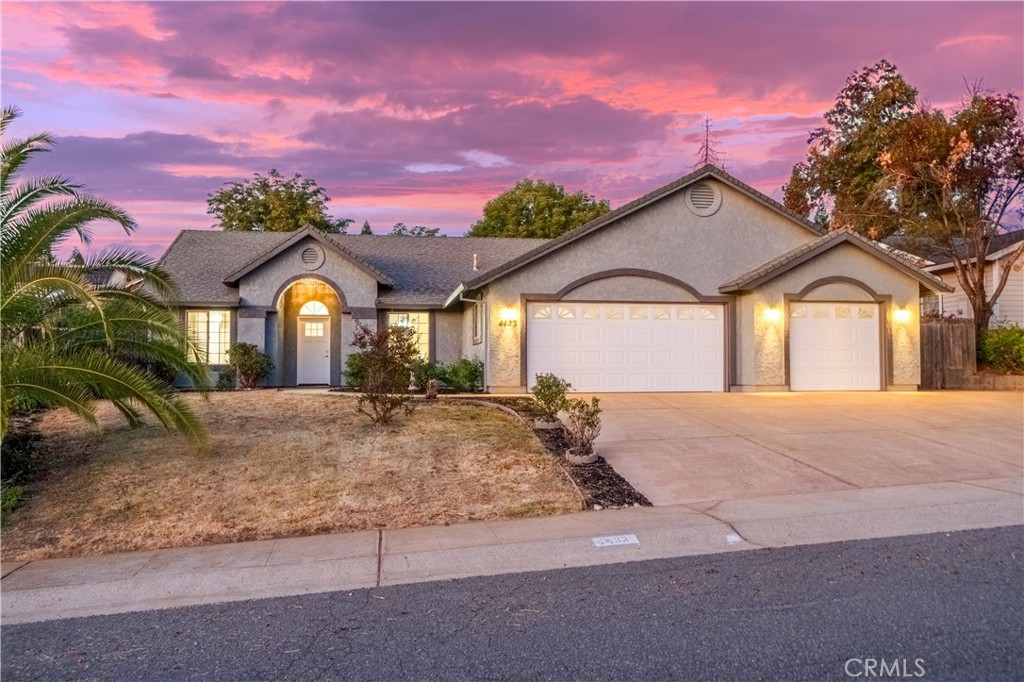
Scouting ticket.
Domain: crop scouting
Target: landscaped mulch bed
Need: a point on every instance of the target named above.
(600, 483)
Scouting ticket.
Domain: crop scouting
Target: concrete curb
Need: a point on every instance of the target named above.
(139, 581)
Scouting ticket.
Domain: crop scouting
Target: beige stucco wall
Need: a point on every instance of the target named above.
(447, 335)
(761, 348)
(664, 237)
(629, 288)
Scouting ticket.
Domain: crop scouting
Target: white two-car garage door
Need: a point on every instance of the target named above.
(834, 347)
(628, 346)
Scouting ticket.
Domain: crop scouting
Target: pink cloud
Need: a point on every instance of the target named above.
(976, 41)
(161, 102)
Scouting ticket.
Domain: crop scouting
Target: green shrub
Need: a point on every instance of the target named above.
(11, 496)
(465, 375)
(1002, 347)
(252, 366)
(227, 379)
(549, 392)
(389, 354)
(582, 425)
(355, 370)
(425, 371)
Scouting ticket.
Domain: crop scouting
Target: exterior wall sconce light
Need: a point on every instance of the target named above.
(509, 317)
(901, 315)
(772, 313)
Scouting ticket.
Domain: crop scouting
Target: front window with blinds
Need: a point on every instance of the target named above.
(420, 322)
(210, 333)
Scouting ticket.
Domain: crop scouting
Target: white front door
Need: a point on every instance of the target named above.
(834, 347)
(605, 346)
(314, 350)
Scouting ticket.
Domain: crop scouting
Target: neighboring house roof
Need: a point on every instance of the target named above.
(421, 271)
(633, 206)
(938, 259)
(773, 268)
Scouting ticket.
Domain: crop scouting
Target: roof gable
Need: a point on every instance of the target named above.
(634, 206)
(777, 266)
(319, 237)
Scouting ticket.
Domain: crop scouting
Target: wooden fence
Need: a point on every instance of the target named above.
(948, 357)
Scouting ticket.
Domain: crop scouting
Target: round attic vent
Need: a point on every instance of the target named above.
(312, 257)
(704, 198)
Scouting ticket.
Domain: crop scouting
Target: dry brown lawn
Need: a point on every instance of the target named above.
(280, 464)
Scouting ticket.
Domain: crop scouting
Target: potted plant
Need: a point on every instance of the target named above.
(582, 425)
(549, 392)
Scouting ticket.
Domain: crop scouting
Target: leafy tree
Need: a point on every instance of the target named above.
(400, 230)
(273, 203)
(537, 209)
(340, 225)
(947, 183)
(836, 185)
(954, 181)
(67, 341)
(366, 228)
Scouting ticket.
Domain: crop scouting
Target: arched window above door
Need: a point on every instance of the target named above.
(313, 309)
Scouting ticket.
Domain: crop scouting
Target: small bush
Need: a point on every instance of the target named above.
(549, 392)
(11, 497)
(582, 425)
(355, 370)
(425, 371)
(251, 365)
(464, 375)
(1002, 347)
(227, 380)
(389, 355)
(19, 456)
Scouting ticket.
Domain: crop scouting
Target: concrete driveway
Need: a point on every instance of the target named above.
(682, 448)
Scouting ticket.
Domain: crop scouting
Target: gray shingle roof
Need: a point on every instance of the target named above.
(199, 260)
(790, 259)
(425, 270)
(998, 243)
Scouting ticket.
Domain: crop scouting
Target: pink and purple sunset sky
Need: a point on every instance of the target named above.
(421, 112)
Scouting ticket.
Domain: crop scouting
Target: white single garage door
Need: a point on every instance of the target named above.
(602, 347)
(834, 347)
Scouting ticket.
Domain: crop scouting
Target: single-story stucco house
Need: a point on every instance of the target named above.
(702, 285)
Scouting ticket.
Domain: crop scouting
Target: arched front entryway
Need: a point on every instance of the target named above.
(310, 331)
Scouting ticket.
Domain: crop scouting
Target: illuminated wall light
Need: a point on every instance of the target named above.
(772, 314)
(509, 317)
(901, 315)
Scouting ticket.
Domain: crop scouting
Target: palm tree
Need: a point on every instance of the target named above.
(96, 328)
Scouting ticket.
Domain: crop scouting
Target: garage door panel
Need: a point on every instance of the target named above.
(834, 347)
(628, 347)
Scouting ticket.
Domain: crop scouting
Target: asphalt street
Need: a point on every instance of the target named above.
(947, 606)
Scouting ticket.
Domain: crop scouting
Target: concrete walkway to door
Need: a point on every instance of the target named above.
(687, 448)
